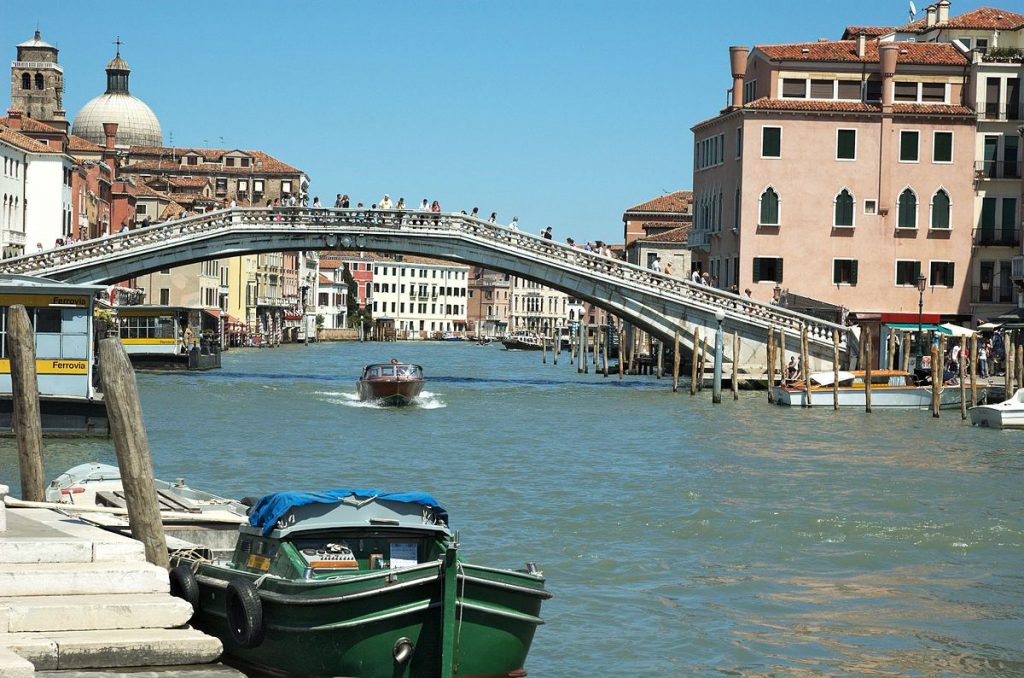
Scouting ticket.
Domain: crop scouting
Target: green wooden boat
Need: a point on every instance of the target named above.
(360, 583)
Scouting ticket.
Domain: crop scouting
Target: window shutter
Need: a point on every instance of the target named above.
(853, 272)
(778, 270)
(757, 269)
(917, 272)
(949, 274)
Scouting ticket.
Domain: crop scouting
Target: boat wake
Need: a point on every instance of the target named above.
(425, 401)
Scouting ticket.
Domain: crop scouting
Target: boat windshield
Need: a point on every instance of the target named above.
(384, 371)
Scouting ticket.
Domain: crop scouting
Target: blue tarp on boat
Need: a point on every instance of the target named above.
(272, 507)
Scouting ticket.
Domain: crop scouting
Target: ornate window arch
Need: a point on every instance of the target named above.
(26, 81)
(843, 209)
(39, 81)
(906, 208)
(769, 207)
(941, 210)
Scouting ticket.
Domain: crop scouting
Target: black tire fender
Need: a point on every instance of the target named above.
(184, 586)
(244, 611)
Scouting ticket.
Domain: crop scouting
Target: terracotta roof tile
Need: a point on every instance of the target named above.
(188, 182)
(166, 158)
(982, 18)
(925, 53)
(19, 140)
(324, 280)
(855, 107)
(32, 125)
(852, 32)
(675, 235)
(680, 202)
(149, 191)
(77, 143)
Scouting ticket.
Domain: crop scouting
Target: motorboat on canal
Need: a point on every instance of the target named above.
(889, 388)
(522, 340)
(356, 582)
(189, 514)
(1007, 414)
(391, 383)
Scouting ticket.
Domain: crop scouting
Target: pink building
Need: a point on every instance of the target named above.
(842, 171)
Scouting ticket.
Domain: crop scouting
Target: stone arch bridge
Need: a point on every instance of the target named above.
(654, 302)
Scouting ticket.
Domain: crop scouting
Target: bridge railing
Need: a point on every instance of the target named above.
(160, 235)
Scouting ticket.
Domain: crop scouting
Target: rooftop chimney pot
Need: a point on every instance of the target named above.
(738, 63)
(109, 132)
(943, 6)
(932, 12)
(862, 44)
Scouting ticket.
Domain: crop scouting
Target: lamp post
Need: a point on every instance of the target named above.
(921, 280)
(716, 389)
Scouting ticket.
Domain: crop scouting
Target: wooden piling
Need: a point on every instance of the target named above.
(963, 375)
(595, 345)
(782, 356)
(865, 335)
(860, 352)
(735, 366)
(661, 359)
(770, 359)
(129, 433)
(907, 349)
(1008, 352)
(1020, 366)
(543, 348)
(974, 370)
(556, 345)
(28, 428)
(694, 359)
(604, 349)
(622, 348)
(584, 341)
(676, 345)
(835, 369)
(572, 350)
(936, 377)
(703, 361)
(805, 365)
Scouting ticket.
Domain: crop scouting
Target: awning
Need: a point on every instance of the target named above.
(957, 330)
(988, 327)
(228, 318)
(925, 327)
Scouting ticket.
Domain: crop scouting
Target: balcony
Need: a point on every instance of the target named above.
(699, 239)
(12, 237)
(1017, 269)
(990, 111)
(37, 65)
(992, 237)
(988, 293)
(997, 169)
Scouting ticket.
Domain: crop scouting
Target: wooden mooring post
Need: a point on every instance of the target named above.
(974, 370)
(128, 430)
(703, 361)
(890, 351)
(605, 335)
(936, 377)
(676, 346)
(661, 359)
(782, 356)
(622, 347)
(963, 376)
(805, 365)
(907, 349)
(694, 359)
(735, 366)
(865, 334)
(769, 348)
(1008, 352)
(544, 348)
(556, 345)
(1020, 364)
(584, 341)
(835, 370)
(28, 427)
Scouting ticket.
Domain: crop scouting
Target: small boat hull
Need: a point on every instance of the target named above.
(1007, 414)
(910, 397)
(394, 393)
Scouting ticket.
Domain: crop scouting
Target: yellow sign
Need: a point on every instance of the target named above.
(52, 366)
(44, 300)
(148, 341)
(256, 562)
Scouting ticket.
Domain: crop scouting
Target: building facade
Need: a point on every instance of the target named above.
(851, 160)
(487, 302)
(425, 297)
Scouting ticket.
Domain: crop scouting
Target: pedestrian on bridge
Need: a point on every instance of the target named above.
(493, 218)
(424, 205)
(344, 202)
(546, 233)
(337, 201)
(316, 203)
(475, 213)
(385, 202)
(515, 224)
(435, 207)
(401, 204)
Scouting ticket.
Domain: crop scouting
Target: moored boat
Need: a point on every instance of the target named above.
(360, 583)
(391, 383)
(522, 340)
(889, 388)
(1007, 414)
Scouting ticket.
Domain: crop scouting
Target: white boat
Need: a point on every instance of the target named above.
(889, 388)
(1007, 414)
(523, 340)
(188, 514)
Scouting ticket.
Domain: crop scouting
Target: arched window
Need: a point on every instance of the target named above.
(39, 80)
(769, 207)
(844, 209)
(907, 210)
(940, 209)
(26, 81)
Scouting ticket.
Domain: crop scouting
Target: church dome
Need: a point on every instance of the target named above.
(136, 123)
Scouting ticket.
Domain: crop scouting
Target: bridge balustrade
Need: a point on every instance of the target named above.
(159, 236)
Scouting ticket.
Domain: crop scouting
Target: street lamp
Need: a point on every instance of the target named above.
(921, 280)
(716, 390)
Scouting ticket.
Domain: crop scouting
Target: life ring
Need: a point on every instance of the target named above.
(184, 586)
(244, 611)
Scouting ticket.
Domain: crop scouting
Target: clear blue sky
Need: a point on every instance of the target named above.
(559, 111)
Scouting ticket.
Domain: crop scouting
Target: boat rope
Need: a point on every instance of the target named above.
(259, 580)
(460, 598)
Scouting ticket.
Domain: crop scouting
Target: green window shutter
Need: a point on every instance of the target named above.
(1009, 219)
(853, 272)
(917, 272)
(757, 269)
(771, 142)
(949, 274)
(943, 149)
(940, 210)
(988, 220)
(846, 144)
(836, 273)
(908, 146)
(778, 270)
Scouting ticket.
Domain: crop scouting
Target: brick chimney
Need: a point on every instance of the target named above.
(14, 118)
(738, 62)
(109, 131)
(932, 11)
(943, 6)
(889, 53)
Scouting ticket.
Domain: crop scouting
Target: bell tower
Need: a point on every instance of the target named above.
(37, 83)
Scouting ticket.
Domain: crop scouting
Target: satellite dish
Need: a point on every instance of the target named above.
(913, 10)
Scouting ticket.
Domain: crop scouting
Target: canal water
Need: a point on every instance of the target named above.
(679, 538)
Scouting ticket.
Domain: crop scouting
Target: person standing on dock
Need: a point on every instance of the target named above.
(983, 359)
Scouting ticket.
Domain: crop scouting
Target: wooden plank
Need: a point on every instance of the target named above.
(28, 427)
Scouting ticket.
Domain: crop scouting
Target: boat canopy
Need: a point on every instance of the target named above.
(825, 378)
(273, 507)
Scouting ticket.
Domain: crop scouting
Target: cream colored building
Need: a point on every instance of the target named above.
(533, 306)
(425, 297)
